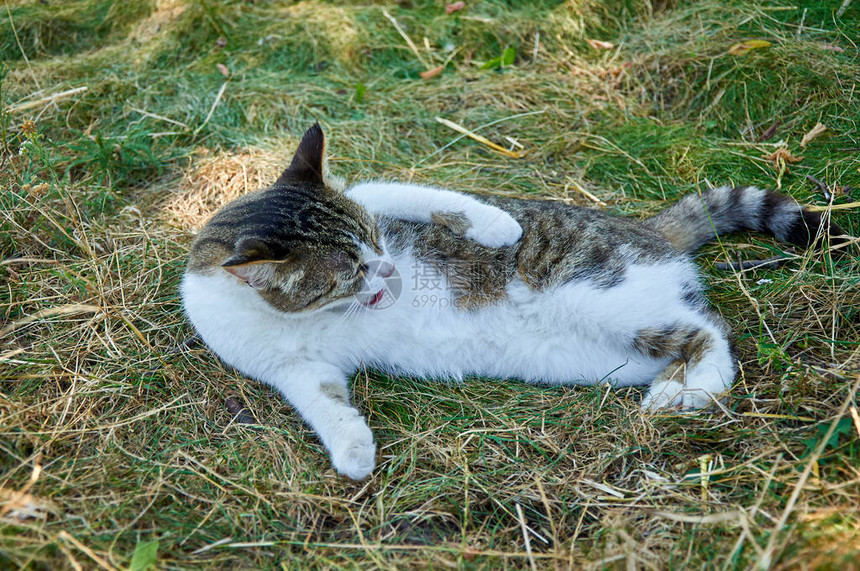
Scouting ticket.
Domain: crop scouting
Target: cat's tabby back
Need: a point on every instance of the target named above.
(287, 285)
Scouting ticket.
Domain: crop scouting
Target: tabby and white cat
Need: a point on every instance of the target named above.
(292, 285)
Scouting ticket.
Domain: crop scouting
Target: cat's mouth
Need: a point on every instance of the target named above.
(375, 299)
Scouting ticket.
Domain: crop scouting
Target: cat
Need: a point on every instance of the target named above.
(300, 284)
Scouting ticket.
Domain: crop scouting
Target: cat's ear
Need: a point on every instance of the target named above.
(309, 161)
(253, 263)
(258, 275)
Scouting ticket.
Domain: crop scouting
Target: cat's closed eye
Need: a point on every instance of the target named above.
(341, 263)
(374, 239)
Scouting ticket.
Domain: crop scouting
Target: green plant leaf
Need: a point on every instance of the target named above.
(360, 88)
(493, 63)
(507, 58)
(844, 426)
(744, 48)
(145, 555)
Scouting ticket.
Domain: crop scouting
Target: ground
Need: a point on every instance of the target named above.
(125, 124)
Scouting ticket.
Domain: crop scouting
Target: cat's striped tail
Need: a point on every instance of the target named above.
(697, 219)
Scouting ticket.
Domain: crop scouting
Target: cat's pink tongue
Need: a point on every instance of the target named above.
(376, 299)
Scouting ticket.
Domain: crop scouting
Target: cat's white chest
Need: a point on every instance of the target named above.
(247, 333)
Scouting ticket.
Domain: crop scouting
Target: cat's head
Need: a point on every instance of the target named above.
(301, 243)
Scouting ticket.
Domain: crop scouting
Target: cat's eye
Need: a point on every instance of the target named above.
(374, 238)
(341, 262)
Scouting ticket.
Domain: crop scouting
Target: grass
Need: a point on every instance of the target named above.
(114, 436)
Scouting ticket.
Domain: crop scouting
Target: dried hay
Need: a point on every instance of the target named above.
(214, 181)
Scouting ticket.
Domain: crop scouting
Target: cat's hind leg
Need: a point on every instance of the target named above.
(702, 366)
(667, 387)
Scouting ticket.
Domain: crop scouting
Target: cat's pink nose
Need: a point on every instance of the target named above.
(385, 269)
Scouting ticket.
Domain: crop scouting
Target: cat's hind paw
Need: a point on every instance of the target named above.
(663, 394)
(672, 394)
(494, 228)
(355, 455)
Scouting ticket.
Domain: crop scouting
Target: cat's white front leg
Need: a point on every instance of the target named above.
(488, 225)
(319, 393)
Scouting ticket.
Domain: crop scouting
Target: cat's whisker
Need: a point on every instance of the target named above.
(350, 313)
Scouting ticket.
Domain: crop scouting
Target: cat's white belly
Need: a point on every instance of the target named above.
(529, 354)
(576, 333)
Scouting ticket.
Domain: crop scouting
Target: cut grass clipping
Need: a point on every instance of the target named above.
(126, 124)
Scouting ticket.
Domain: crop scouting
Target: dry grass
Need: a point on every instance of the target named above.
(114, 432)
(212, 183)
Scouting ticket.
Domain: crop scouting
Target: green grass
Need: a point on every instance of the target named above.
(112, 437)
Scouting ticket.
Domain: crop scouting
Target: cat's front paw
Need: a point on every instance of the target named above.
(355, 455)
(494, 228)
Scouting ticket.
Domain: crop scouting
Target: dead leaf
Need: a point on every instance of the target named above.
(600, 44)
(38, 190)
(784, 155)
(769, 132)
(22, 506)
(225, 71)
(455, 7)
(813, 133)
(431, 73)
(239, 412)
(781, 157)
(747, 46)
(28, 127)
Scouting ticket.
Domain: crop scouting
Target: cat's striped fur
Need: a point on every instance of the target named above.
(697, 219)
